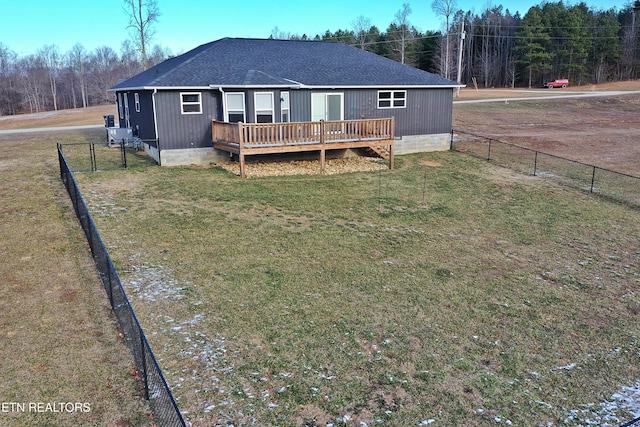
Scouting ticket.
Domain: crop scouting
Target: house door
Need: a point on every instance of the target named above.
(326, 106)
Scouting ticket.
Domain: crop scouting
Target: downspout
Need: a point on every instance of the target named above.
(224, 107)
(155, 124)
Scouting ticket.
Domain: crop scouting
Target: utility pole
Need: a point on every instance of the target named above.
(460, 46)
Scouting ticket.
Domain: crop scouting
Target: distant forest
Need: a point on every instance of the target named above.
(494, 49)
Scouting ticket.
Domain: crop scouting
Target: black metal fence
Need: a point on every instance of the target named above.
(594, 179)
(95, 156)
(155, 389)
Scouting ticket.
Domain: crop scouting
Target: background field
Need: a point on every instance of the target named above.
(601, 131)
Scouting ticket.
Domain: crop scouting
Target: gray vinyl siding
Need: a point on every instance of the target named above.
(427, 111)
(300, 101)
(177, 130)
(144, 118)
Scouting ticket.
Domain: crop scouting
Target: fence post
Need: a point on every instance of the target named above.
(489, 151)
(322, 141)
(535, 164)
(92, 155)
(144, 377)
(124, 154)
(110, 281)
(593, 179)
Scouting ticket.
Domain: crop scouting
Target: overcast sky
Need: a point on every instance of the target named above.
(28, 25)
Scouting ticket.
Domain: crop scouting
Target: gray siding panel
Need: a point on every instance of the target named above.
(300, 101)
(144, 118)
(428, 111)
(177, 130)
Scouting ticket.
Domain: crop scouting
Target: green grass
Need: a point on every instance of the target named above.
(58, 337)
(463, 293)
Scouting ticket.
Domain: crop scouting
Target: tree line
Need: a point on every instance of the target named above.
(51, 80)
(496, 48)
(491, 49)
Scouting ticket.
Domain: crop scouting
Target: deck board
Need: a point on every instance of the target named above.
(246, 139)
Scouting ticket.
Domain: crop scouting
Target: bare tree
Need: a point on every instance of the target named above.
(445, 8)
(78, 61)
(278, 34)
(9, 96)
(51, 58)
(103, 73)
(403, 32)
(361, 27)
(142, 15)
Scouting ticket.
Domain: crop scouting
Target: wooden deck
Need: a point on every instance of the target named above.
(245, 139)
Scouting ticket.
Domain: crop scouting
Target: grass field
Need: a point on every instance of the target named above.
(445, 292)
(59, 342)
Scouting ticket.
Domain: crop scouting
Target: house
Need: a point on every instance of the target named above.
(171, 107)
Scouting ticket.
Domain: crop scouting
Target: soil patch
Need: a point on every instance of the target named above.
(602, 131)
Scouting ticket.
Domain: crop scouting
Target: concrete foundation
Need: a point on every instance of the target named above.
(205, 156)
(191, 156)
(409, 144)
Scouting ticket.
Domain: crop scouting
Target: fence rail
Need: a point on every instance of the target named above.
(95, 156)
(614, 185)
(155, 388)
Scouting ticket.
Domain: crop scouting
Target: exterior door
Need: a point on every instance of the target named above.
(327, 107)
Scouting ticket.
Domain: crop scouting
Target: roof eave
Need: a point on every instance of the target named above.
(294, 86)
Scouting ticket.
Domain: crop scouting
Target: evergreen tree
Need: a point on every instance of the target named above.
(531, 39)
(606, 47)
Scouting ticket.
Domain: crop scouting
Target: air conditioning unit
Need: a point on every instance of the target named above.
(116, 135)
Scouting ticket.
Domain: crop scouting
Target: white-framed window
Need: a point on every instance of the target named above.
(234, 102)
(264, 107)
(392, 99)
(136, 100)
(191, 102)
(127, 115)
(284, 107)
(120, 107)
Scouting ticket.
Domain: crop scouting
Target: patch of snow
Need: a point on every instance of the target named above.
(568, 366)
(153, 283)
(622, 406)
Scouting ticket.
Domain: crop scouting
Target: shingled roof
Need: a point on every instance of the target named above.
(238, 62)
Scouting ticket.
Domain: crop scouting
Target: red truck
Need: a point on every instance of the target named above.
(557, 83)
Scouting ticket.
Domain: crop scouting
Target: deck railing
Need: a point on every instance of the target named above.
(253, 135)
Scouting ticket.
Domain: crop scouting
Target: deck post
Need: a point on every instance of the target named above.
(393, 137)
(241, 134)
(322, 151)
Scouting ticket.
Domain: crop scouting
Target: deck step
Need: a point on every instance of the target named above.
(377, 151)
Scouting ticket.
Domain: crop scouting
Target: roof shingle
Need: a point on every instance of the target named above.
(241, 62)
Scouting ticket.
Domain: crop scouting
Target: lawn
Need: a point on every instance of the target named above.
(61, 357)
(446, 292)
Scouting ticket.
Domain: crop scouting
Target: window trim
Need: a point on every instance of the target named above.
(120, 107)
(392, 99)
(325, 95)
(255, 104)
(136, 100)
(285, 106)
(226, 105)
(190, 103)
